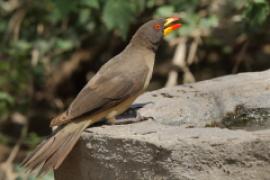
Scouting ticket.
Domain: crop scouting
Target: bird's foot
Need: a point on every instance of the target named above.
(131, 115)
(111, 120)
(138, 106)
(130, 120)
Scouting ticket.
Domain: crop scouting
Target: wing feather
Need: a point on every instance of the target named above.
(102, 92)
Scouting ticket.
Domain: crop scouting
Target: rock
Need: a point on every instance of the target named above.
(208, 102)
(210, 130)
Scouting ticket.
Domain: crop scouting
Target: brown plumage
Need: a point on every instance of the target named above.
(110, 92)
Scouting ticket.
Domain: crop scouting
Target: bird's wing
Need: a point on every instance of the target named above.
(103, 92)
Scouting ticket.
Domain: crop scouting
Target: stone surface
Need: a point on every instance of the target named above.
(185, 138)
(209, 101)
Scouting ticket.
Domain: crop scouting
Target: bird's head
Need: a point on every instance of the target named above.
(152, 32)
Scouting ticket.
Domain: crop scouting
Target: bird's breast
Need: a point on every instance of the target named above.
(150, 61)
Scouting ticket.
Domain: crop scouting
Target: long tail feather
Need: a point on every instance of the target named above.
(51, 152)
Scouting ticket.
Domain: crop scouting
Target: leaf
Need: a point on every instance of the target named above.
(165, 11)
(64, 44)
(256, 13)
(184, 5)
(84, 16)
(43, 45)
(20, 172)
(91, 3)
(65, 7)
(6, 97)
(61, 8)
(32, 140)
(4, 65)
(118, 14)
(3, 26)
(22, 45)
(150, 3)
(209, 22)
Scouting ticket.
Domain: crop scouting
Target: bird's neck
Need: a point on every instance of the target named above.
(138, 40)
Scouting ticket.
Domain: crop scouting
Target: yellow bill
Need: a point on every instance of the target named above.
(170, 26)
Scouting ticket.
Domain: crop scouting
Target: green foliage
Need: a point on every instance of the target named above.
(6, 101)
(165, 11)
(119, 14)
(256, 13)
(4, 139)
(14, 80)
(91, 3)
(20, 172)
(32, 140)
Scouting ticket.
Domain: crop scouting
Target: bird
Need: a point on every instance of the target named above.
(107, 94)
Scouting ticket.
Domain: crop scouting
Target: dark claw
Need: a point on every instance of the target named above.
(131, 115)
(129, 120)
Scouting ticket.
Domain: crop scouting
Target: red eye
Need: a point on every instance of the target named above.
(157, 26)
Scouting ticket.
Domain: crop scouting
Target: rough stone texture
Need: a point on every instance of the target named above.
(186, 138)
(209, 101)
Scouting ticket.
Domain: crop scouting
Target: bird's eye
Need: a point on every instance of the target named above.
(157, 26)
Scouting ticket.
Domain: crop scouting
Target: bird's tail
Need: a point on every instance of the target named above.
(50, 153)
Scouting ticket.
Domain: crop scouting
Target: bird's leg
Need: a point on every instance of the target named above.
(111, 120)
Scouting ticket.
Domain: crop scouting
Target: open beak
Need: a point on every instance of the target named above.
(170, 25)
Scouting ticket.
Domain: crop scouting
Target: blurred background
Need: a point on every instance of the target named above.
(50, 48)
